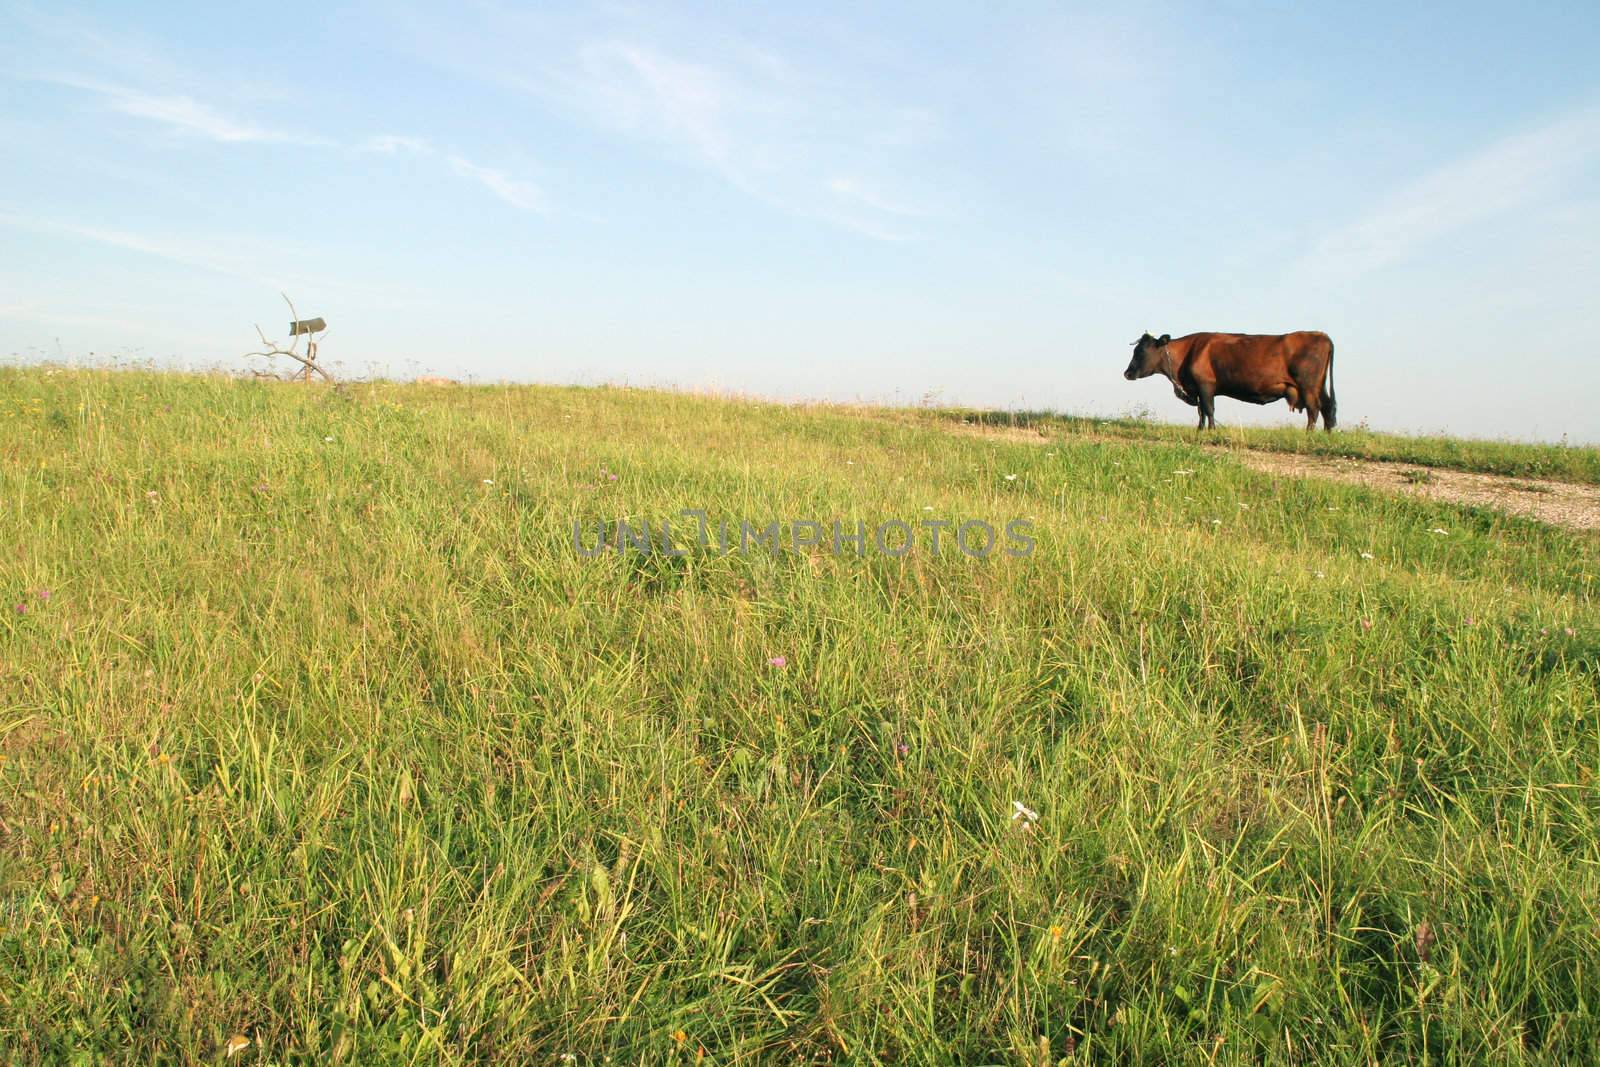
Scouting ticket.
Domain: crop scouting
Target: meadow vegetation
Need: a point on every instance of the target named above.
(317, 733)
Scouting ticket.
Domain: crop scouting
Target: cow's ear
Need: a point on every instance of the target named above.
(1164, 338)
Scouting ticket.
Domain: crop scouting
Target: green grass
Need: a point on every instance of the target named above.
(326, 736)
(1568, 463)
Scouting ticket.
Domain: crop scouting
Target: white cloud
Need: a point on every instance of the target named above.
(854, 190)
(1515, 172)
(638, 89)
(391, 144)
(514, 191)
(770, 126)
(204, 255)
(190, 116)
(187, 115)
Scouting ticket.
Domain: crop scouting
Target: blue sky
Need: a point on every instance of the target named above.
(982, 202)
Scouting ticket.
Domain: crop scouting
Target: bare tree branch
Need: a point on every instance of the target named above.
(308, 362)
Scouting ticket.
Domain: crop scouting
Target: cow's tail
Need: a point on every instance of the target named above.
(1330, 407)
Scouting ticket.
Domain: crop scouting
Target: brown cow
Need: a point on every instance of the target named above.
(1256, 368)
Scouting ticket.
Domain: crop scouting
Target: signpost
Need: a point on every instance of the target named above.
(309, 327)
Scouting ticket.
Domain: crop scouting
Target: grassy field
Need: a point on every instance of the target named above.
(319, 733)
(1561, 462)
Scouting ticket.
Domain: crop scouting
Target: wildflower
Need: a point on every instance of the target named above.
(21, 609)
(679, 1036)
(1243, 506)
(849, 463)
(1182, 471)
(329, 438)
(1366, 624)
(569, 1057)
(1321, 575)
(1021, 811)
(150, 494)
(488, 481)
(1366, 555)
(902, 749)
(1440, 531)
(1011, 477)
(43, 594)
(927, 507)
(1569, 631)
(1469, 620)
(778, 661)
(1055, 933)
(1216, 522)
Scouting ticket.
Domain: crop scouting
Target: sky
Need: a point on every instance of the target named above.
(904, 203)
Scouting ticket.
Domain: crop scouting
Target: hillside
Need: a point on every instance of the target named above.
(319, 730)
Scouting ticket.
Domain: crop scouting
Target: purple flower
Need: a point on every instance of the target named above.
(902, 749)
(44, 594)
(21, 609)
(1471, 621)
(778, 661)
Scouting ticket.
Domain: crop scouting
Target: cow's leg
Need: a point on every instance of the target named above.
(1310, 391)
(1207, 394)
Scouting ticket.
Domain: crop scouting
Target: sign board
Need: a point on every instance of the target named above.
(306, 326)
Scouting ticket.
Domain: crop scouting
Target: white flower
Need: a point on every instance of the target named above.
(1321, 575)
(1216, 522)
(1182, 470)
(1366, 555)
(488, 481)
(1021, 811)
(849, 463)
(927, 507)
(1441, 532)
(1011, 477)
(1244, 507)
(328, 439)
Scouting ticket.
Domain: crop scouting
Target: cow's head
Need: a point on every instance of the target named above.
(1149, 356)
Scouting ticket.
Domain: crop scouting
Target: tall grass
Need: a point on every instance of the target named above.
(325, 737)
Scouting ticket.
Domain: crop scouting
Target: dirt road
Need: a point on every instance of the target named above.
(1557, 503)
(1566, 504)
